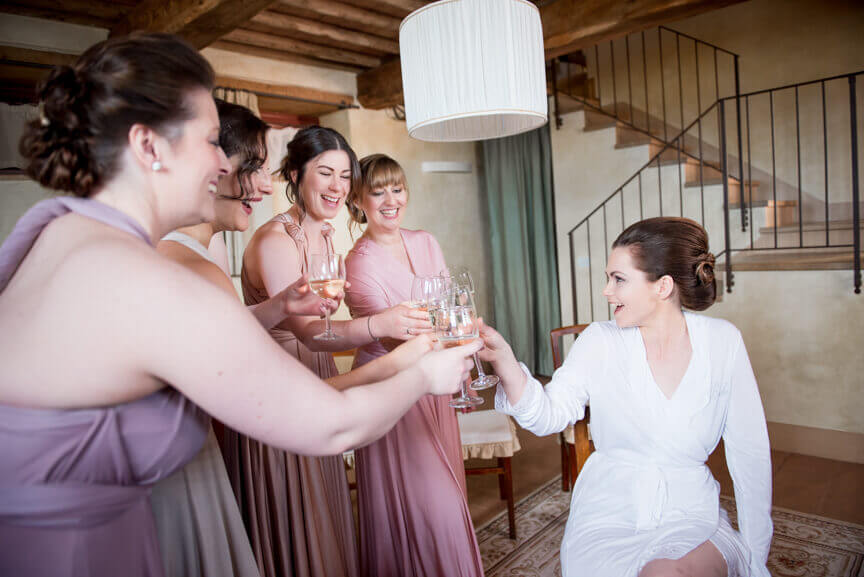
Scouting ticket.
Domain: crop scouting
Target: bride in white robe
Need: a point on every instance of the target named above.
(646, 493)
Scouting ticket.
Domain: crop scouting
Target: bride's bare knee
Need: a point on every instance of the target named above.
(663, 568)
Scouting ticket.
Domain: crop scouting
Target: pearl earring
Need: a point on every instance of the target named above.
(156, 166)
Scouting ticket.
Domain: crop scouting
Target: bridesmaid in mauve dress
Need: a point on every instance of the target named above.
(414, 517)
(298, 509)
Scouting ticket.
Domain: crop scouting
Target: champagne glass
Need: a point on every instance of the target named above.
(437, 290)
(456, 325)
(464, 284)
(420, 293)
(326, 279)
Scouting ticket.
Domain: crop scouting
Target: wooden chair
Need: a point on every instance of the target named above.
(491, 435)
(576, 448)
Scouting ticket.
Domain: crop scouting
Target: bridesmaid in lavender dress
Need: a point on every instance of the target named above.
(414, 517)
(106, 345)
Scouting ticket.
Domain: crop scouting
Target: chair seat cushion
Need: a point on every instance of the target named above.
(487, 435)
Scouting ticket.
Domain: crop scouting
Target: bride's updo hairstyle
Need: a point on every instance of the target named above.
(86, 110)
(677, 247)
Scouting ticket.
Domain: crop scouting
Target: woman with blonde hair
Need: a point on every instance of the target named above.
(414, 517)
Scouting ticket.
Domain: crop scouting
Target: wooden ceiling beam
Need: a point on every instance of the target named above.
(35, 58)
(398, 8)
(222, 20)
(253, 38)
(163, 15)
(344, 15)
(102, 14)
(381, 87)
(568, 25)
(290, 92)
(273, 54)
(325, 34)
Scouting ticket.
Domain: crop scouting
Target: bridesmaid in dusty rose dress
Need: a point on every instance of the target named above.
(414, 517)
(298, 509)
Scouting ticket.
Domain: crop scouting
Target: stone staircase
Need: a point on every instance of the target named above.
(771, 224)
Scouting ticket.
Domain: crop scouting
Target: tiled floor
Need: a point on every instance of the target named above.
(808, 484)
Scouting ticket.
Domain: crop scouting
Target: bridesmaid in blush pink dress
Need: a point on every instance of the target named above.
(414, 517)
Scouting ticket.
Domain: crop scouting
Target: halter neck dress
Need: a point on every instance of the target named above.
(75, 483)
(297, 509)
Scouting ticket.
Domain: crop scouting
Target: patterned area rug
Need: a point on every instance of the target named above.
(804, 545)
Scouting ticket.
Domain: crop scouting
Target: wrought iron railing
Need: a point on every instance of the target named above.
(749, 139)
(648, 61)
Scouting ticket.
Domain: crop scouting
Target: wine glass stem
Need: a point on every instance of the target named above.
(327, 325)
(480, 373)
(465, 389)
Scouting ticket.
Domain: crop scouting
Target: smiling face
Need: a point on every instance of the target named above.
(194, 164)
(384, 207)
(233, 204)
(628, 289)
(325, 184)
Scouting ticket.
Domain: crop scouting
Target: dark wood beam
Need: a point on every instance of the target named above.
(35, 58)
(242, 36)
(381, 87)
(283, 56)
(22, 71)
(164, 15)
(344, 15)
(398, 8)
(270, 105)
(283, 119)
(325, 34)
(225, 18)
(286, 91)
(569, 25)
(100, 14)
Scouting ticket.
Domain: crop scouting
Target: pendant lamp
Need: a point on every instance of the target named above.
(473, 70)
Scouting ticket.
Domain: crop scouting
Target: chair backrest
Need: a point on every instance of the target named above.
(556, 334)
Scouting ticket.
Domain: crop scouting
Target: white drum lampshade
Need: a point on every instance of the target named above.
(473, 69)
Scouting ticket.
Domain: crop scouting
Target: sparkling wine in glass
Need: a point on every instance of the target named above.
(326, 279)
(456, 325)
(419, 293)
(463, 286)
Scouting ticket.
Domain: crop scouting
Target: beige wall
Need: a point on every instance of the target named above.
(802, 329)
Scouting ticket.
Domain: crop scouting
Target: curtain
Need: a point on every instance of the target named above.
(518, 181)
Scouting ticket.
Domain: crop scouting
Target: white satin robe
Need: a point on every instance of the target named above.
(646, 492)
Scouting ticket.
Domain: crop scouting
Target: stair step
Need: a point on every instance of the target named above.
(811, 226)
(595, 120)
(626, 137)
(763, 204)
(795, 259)
(567, 104)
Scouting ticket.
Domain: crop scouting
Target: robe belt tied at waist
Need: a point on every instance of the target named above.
(651, 485)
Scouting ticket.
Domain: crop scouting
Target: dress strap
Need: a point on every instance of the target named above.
(298, 235)
(190, 243)
(30, 226)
